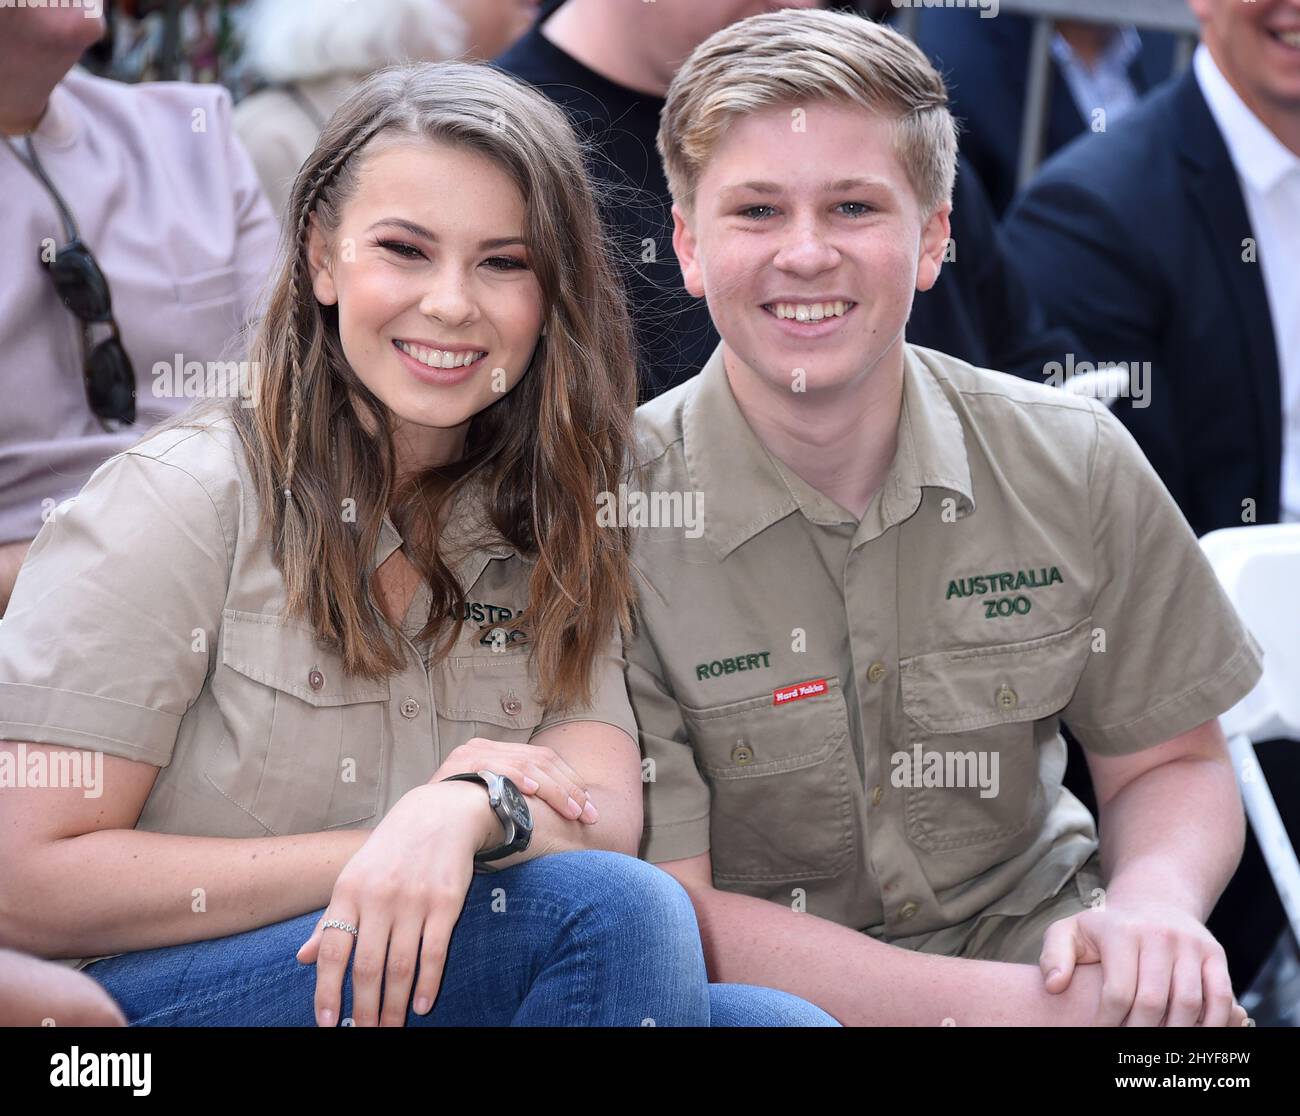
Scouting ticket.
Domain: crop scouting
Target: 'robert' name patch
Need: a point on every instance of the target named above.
(799, 690)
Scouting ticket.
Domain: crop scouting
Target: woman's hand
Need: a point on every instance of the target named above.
(534, 768)
(403, 890)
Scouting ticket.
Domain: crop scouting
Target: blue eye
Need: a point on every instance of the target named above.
(863, 208)
(401, 249)
(748, 211)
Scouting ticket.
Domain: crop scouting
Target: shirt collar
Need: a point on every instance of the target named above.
(1116, 58)
(466, 519)
(1258, 155)
(749, 489)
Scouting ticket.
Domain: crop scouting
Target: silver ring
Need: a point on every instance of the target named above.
(335, 924)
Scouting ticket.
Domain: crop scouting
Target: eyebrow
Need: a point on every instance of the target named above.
(420, 231)
(830, 187)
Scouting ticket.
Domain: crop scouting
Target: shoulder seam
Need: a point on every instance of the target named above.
(225, 534)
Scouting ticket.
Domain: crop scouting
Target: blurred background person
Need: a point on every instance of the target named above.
(315, 54)
(136, 233)
(1171, 242)
(33, 990)
(608, 65)
(985, 63)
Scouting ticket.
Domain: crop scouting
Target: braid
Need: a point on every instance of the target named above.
(302, 279)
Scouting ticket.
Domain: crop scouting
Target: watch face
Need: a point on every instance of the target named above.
(515, 804)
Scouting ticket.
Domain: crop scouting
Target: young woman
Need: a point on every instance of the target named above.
(279, 629)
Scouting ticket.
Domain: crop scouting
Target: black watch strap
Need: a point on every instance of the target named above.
(517, 837)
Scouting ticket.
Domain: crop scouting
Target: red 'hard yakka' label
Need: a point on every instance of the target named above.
(799, 690)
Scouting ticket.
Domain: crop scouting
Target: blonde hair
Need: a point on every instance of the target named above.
(793, 56)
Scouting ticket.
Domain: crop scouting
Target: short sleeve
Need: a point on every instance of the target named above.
(609, 703)
(1169, 651)
(676, 795)
(114, 617)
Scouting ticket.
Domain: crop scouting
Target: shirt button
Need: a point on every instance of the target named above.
(315, 680)
(907, 910)
(877, 793)
(875, 672)
(1007, 697)
(410, 708)
(512, 705)
(742, 754)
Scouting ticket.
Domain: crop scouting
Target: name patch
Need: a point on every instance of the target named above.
(798, 691)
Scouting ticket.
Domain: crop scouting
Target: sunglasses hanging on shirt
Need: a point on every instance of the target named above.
(81, 286)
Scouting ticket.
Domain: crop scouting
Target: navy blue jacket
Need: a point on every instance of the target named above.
(985, 63)
(1138, 240)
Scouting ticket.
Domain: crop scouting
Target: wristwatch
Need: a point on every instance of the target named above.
(511, 810)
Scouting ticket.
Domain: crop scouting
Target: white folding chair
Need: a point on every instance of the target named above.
(1260, 570)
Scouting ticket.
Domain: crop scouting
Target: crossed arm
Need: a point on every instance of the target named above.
(1171, 835)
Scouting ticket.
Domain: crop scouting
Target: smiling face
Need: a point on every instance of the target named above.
(1257, 45)
(808, 245)
(438, 309)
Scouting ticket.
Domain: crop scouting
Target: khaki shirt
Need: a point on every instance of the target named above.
(1022, 565)
(145, 624)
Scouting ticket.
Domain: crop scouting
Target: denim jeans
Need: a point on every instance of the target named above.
(592, 939)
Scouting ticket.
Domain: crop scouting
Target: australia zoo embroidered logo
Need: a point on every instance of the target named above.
(1012, 602)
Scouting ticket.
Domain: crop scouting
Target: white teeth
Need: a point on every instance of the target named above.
(1291, 38)
(809, 311)
(438, 358)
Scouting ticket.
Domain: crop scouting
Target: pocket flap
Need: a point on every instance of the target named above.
(288, 657)
(743, 739)
(496, 688)
(961, 691)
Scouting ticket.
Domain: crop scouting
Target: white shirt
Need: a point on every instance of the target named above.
(1106, 84)
(1269, 174)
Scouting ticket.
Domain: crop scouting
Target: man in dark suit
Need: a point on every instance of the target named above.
(1171, 243)
(985, 64)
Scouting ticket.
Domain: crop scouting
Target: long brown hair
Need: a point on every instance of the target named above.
(317, 435)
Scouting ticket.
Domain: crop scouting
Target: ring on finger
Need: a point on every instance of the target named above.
(336, 924)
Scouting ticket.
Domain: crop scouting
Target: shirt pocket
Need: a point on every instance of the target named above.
(489, 695)
(966, 708)
(782, 782)
(305, 743)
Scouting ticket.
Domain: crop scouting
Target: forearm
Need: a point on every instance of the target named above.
(119, 890)
(1174, 834)
(11, 561)
(864, 982)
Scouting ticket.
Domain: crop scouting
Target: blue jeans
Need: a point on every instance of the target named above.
(585, 939)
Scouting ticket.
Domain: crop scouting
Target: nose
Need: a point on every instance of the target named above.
(805, 250)
(448, 297)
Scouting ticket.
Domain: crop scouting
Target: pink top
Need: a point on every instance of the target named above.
(169, 204)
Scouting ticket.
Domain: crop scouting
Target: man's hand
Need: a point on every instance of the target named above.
(1160, 966)
(33, 991)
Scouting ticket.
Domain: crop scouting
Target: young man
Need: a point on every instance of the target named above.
(850, 669)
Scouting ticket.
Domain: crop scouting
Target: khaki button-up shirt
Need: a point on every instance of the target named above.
(145, 624)
(861, 717)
